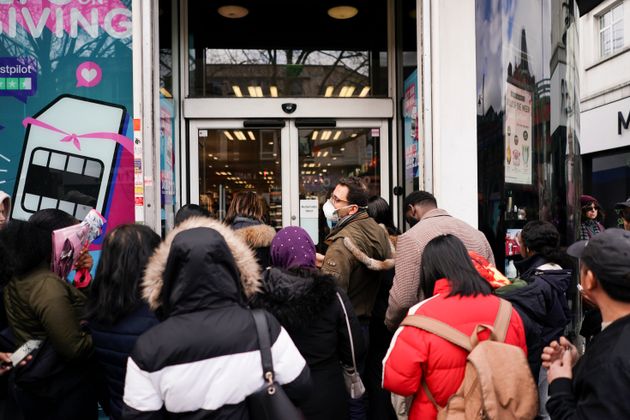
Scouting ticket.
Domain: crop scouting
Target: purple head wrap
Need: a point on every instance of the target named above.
(292, 247)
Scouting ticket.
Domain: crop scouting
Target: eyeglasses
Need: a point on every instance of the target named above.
(336, 200)
(590, 208)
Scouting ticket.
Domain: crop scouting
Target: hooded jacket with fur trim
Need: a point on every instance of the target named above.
(257, 235)
(5, 199)
(203, 359)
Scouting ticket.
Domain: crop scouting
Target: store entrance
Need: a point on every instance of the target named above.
(292, 163)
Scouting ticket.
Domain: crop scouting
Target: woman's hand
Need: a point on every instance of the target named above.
(319, 260)
(6, 364)
(85, 260)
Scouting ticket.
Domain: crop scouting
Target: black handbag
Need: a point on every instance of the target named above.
(270, 402)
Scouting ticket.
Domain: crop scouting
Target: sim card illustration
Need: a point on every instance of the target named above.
(67, 160)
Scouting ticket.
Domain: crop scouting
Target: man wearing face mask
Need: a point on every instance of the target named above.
(346, 211)
(427, 221)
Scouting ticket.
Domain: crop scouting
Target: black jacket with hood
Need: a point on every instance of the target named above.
(542, 304)
(202, 360)
(306, 304)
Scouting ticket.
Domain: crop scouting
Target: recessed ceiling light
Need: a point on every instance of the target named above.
(232, 11)
(342, 12)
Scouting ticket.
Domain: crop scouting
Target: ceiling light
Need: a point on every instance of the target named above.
(228, 135)
(252, 91)
(329, 91)
(237, 91)
(273, 90)
(251, 135)
(233, 11)
(364, 92)
(337, 135)
(342, 92)
(350, 91)
(314, 136)
(342, 12)
(259, 92)
(239, 135)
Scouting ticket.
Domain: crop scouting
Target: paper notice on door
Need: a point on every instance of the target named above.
(309, 217)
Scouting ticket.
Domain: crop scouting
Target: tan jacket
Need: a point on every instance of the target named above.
(406, 290)
(353, 276)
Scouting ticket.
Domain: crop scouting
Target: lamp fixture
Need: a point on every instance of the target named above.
(232, 11)
(342, 12)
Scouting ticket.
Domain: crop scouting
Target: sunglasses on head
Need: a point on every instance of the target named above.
(591, 207)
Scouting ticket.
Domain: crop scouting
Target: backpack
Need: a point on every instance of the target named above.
(498, 382)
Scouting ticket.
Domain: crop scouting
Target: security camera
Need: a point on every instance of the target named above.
(289, 108)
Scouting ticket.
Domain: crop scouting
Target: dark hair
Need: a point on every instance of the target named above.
(357, 191)
(52, 219)
(116, 288)
(617, 291)
(544, 239)
(190, 210)
(419, 197)
(25, 248)
(245, 204)
(379, 210)
(600, 212)
(446, 257)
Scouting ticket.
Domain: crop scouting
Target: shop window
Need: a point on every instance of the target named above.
(611, 31)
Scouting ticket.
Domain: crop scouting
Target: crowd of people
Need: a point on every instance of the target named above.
(171, 327)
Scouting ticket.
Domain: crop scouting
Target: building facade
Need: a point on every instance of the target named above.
(605, 104)
(137, 107)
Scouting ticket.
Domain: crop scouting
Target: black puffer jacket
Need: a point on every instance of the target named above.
(306, 304)
(542, 305)
(202, 361)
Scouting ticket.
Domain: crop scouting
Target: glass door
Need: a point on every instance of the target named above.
(292, 164)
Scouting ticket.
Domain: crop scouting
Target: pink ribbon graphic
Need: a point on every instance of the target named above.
(125, 142)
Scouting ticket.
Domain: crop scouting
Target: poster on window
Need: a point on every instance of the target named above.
(65, 101)
(411, 132)
(518, 135)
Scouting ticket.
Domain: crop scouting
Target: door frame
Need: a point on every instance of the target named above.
(289, 159)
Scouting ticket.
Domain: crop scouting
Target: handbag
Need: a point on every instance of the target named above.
(270, 402)
(351, 378)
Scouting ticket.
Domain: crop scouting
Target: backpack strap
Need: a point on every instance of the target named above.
(440, 329)
(502, 320)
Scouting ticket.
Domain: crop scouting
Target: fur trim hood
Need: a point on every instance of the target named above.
(257, 236)
(248, 270)
(371, 263)
(295, 298)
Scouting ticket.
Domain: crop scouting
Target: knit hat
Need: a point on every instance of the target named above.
(292, 247)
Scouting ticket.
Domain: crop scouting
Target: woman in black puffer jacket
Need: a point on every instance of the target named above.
(307, 305)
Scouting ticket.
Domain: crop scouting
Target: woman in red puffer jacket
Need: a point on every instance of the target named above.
(459, 297)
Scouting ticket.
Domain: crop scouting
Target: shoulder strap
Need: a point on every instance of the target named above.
(440, 329)
(345, 313)
(502, 320)
(264, 341)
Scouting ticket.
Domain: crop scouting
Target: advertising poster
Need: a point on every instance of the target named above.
(167, 163)
(518, 135)
(65, 103)
(411, 132)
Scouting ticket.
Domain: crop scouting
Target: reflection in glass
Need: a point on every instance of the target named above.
(278, 73)
(238, 159)
(328, 154)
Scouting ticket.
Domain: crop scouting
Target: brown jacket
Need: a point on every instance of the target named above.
(406, 290)
(356, 279)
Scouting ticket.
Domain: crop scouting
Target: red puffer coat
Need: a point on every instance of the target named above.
(415, 354)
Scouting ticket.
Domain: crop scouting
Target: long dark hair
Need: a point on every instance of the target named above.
(379, 210)
(116, 289)
(445, 257)
(25, 247)
(544, 239)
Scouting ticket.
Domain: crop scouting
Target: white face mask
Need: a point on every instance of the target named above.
(330, 212)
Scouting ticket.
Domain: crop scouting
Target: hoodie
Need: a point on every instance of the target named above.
(203, 359)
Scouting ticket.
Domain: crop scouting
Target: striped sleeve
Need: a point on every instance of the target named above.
(141, 399)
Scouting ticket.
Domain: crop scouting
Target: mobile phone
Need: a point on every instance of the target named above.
(24, 350)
